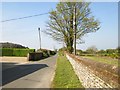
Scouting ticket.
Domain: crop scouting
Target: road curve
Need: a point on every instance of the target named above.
(30, 75)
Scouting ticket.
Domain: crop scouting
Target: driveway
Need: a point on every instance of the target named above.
(36, 74)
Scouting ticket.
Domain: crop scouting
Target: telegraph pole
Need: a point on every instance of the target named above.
(39, 37)
(75, 30)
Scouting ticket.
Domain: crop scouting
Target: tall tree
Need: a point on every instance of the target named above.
(61, 25)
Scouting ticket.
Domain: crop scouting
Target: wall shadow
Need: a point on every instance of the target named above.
(7, 65)
(18, 71)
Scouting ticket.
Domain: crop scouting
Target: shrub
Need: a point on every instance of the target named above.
(52, 52)
(45, 55)
(47, 52)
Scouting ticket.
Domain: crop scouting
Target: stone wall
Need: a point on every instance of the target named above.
(86, 75)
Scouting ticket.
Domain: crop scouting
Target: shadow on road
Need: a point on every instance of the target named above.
(7, 65)
(18, 71)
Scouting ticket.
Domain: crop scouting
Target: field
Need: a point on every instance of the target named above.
(103, 60)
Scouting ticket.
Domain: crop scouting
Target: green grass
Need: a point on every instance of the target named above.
(103, 60)
(65, 76)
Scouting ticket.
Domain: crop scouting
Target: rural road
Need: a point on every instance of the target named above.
(36, 74)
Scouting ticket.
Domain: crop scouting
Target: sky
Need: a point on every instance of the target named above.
(25, 31)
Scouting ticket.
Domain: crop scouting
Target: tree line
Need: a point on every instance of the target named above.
(93, 51)
(12, 45)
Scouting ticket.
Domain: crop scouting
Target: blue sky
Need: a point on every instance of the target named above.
(25, 31)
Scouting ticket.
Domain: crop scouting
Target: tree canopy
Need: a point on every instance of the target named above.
(64, 20)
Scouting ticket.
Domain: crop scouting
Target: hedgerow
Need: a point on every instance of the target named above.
(16, 52)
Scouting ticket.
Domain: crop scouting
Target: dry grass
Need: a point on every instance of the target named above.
(13, 59)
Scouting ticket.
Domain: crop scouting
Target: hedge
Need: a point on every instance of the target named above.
(40, 54)
(46, 53)
(7, 51)
(16, 52)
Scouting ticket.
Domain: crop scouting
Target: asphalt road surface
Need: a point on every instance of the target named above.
(38, 74)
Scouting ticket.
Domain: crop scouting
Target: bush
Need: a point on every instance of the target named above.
(45, 55)
(46, 52)
(52, 52)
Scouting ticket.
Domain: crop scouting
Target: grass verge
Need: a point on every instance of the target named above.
(65, 76)
(103, 60)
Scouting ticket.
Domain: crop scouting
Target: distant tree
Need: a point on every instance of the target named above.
(101, 51)
(67, 17)
(92, 50)
(79, 52)
(55, 50)
(110, 51)
(11, 45)
(63, 49)
(118, 49)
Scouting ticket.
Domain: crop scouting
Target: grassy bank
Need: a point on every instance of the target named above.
(65, 76)
(103, 60)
